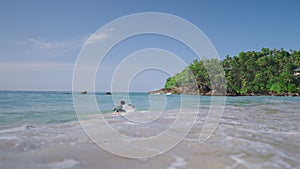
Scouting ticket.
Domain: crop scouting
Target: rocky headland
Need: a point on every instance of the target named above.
(191, 90)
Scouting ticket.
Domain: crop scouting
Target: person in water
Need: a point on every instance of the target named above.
(123, 107)
(120, 107)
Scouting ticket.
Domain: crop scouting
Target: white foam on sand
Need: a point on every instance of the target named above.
(239, 161)
(66, 164)
(179, 163)
(17, 129)
(13, 130)
(9, 138)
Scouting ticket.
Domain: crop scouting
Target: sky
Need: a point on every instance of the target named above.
(41, 40)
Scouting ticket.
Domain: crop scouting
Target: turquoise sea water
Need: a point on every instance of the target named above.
(40, 129)
(35, 107)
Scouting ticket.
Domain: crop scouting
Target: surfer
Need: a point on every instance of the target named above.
(120, 107)
(123, 107)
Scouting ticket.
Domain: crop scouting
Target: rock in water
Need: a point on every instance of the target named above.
(83, 92)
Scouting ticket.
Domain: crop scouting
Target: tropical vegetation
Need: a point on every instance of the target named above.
(263, 72)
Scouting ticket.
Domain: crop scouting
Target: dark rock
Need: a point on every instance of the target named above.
(83, 92)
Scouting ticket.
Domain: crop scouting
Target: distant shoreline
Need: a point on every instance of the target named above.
(180, 90)
(164, 91)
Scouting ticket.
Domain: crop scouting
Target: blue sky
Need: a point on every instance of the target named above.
(40, 40)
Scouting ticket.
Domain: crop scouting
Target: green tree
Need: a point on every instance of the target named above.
(250, 72)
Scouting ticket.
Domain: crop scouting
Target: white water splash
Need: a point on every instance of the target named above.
(179, 163)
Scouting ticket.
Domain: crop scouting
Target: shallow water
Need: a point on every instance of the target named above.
(41, 130)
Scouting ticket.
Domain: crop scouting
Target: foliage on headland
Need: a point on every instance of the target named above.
(264, 72)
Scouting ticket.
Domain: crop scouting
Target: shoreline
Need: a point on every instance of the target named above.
(192, 91)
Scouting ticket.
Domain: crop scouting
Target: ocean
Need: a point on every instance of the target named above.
(40, 129)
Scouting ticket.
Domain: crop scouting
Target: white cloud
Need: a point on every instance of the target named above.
(99, 36)
(42, 44)
(46, 48)
(55, 48)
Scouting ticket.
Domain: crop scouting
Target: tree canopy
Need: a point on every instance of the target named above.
(262, 72)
